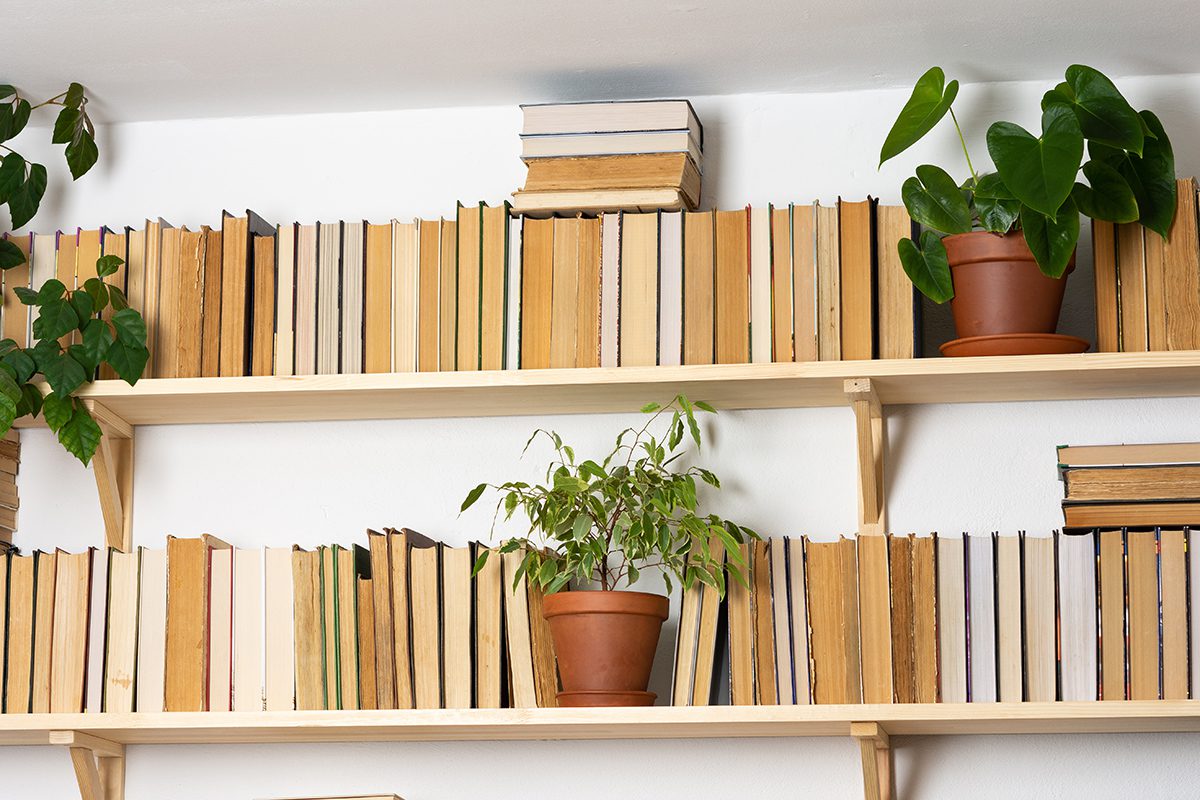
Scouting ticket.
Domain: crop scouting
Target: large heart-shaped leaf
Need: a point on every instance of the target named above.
(1103, 113)
(934, 200)
(995, 204)
(1039, 171)
(1151, 176)
(929, 102)
(23, 203)
(927, 266)
(1108, 197)
(1052, 240)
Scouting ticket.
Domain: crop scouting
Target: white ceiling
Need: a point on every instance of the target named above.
(157, 59)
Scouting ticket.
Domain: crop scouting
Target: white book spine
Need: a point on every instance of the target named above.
(760, 285)
(781, 617)
(512, 312)
(952, 620)
(279, 633)
(670, 294)
(285, 283)
(1077, 603)
(1039, 622)
(406, 248)
(220, 629)
(97, 616)
(610, 292)
(799, 607)
(247, 630)
(152, 630)
(352, 276)
(42, 269)
(981, 628)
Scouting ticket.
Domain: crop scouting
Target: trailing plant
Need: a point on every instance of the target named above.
(23, 183)
(606, 521)
(73, 338)
(1129, 175)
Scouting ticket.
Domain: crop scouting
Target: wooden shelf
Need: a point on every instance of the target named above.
(730, 386)
(607, 723)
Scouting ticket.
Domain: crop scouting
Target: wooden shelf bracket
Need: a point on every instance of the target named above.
(99, 764)
(876, 750)
(113, 465)
(871, 432)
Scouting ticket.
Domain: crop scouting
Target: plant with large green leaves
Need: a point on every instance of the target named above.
(73, 337)
(606, 521)
(1129, 174)
(22, 182)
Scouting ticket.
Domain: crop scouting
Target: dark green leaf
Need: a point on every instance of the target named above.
(57, 410)
(1109, 197)
(1040, 172)
(12, 175)
(994, 203)
(927, 266)
(81, 435)
(1052, 240)
(117, 298)
(97, 337)
(8, 385)
(934, 200)
(6, 122)
(31, 400)
(65, 125)
(26, 295)
(10, 255)
(1104, 115)
(20, 117)
(8, 412)
(51, 290)
(472, 496)
(24, 202)
(930, 100)
(65, 374)
(74, 96)
(128, 360)
(7, 90)
(81, 155)
(480, 561)
(131, 328)
(97, 290)
(56, 319)
(22, 364)
(81, 301)
(45, 352)
(107, 265)
(1151, 177)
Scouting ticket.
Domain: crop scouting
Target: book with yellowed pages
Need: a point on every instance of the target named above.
(646, 171)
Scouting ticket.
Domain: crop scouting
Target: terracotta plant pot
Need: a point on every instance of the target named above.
(998, 287)
(605, 643)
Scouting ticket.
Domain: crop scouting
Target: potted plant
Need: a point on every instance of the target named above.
(97, 315)
(604, 523)
(1000, 244)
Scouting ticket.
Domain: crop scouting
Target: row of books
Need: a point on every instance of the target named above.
(921, 619)
(1130, 485)
(486, 291)
(201, 626)
(1147, 289)
(634, 156)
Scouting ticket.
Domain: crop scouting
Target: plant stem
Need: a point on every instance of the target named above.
(962, 140)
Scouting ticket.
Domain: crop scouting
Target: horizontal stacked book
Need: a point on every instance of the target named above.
(1147, 289)
(635, 156)
(201, 626)
(485, 290)
(1118, 486)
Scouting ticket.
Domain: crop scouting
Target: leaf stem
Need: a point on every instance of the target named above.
(962, 140)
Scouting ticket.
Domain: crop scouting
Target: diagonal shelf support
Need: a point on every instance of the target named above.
(113, 465)
(871, 432)
(99, 764)
(876, 750)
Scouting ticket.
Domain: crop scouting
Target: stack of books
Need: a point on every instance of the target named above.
(1118, 486)
(1147, 289)
(633, 156)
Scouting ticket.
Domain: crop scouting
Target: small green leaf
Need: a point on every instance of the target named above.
(26, 295)
(472, 496)
(1108, 197)
(934, 200)
(127, 359)
(56, 319)
(31, 400)
(703, 406)
(12, 175)
(20, 117)
(81, 155)
(97, 337)
(131, 328)
(107, 265)
(117, 298)
(65, 374)
(57, 410)
(994, 203)
(8, 412)
(74, 96)
(22, 364)
(51, 290)
(11, 256)
(930, 100)
(65, 125)
(927, 266)
(1039, 171)
(24, 202)
(97, 290)
(7, 90)
(480, 561)
(650, 408)
(81, 301)
(1052, 240)
(80, 435)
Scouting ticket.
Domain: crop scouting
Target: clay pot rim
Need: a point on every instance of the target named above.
(1018, 250)
(617, 601)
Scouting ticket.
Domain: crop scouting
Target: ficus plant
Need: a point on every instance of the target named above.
(73, 337)
(1042, 182)
(606, 521)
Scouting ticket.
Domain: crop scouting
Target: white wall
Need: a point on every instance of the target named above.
(952, 467)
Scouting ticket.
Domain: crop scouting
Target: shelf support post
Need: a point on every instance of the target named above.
(871, 433)
(876, 750)
(113, 466)
(99, 764)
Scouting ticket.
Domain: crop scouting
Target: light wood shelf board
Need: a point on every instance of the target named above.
(608, 723)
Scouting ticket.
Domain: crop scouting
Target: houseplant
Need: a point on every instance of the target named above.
(76, 330)
(605, 522)
(1000, 244)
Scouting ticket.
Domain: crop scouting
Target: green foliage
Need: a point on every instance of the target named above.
(1129, 177)
(119, 342)
(23, 184)
(607, 521)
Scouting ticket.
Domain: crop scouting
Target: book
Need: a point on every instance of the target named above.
(468, 282)
(732, 287)
(489, 633)
(1193, 559)
(41, 268)
(833, 621)
(646, 171)
(1104, 260)
(683, 674)
(285, 299)
(493, 283)
(761, 333)
(899, 319)
(829, 291)
(14, 317)
(857, 278)
(1173, 593)
(512, 297)
(151, 287)
(740, 601)
(345, 622)
(168, 336)
(1037, 556)
(874, 608)
(400, 543)
(781, 618)
(382, 610)
(448, 298)
(1155, 289)
(801, 655)
(670, 288)
(610, 289)
(457, 634)
(782, 290)
(45, 581)
(120, 643)
(405, 312)
(219, 696)
(309, 631)
(610, 144)
(1141, 581)
(925, 615)
(424, 579)
(279, 630)
(1168, 482)
(588, 309)
(187, 637)
(522, 690)
(1131, 283)
(152, 630)
(1145, 513)
(952, 618)
(1180, 266)
(350, 283)
(1112, 615)
(608, 116)
(1113, 455)
(5, 560)
(22, 595)
(328, 297)
(761, 604)
(900, 572)
(249, 633)
(69, 659)
(368, 697)
(429, 234)
(97, 617)
(537, 275)
(306, 299)
(698, 277)
(237, 288)
(545, 668)
(639, 290)
(981, 620)
(377, 297)
(113, 243)
(210, 323)
(564, 294)
(803, 220)
(262, 309)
